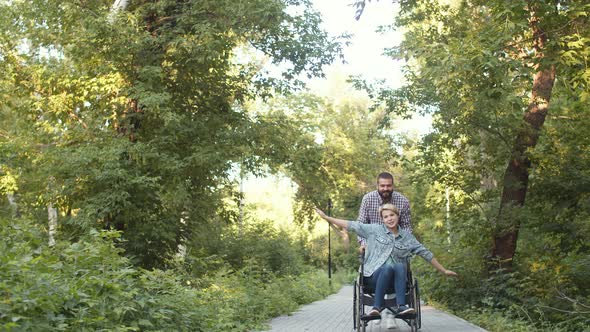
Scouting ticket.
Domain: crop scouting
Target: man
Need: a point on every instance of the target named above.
(372, 201)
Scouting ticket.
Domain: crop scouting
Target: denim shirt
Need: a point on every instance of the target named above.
(381, 245)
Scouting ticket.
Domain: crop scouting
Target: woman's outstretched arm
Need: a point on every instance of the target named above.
(441, 268)
(418, 248)
(334, 221)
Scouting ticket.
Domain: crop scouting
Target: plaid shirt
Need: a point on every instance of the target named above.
(369, 211)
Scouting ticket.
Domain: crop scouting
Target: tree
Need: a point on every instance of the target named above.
(516, 176)
(340, 149)
(486, 72)
(138, 114)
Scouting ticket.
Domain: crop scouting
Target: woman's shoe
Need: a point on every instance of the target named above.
(404, 310)
(372, 315)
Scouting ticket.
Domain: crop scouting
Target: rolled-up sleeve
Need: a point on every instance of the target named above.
(359, 228)
(419, 249)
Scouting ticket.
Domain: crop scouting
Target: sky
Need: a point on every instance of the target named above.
(364, 56)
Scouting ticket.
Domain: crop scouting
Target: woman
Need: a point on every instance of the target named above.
(388, 249)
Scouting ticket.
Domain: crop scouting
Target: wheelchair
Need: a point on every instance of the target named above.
(364, 296)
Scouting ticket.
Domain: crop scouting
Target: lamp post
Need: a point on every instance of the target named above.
(329, 244)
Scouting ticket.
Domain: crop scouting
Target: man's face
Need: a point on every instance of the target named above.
(385, 187)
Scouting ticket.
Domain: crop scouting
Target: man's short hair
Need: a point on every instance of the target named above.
(385, 175)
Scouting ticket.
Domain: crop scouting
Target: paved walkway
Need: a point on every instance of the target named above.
(335, 314)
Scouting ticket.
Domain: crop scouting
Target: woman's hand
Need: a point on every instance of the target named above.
(450, 273)
(334, 221)
(320, 213)
(441, 268)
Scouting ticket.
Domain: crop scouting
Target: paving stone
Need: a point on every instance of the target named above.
(334, 313)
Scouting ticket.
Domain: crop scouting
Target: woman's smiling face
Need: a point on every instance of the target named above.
(390, 219)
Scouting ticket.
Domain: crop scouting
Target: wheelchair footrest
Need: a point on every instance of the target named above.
(406, 316)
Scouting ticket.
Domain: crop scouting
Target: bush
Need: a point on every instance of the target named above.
(89, 286)
(259, 243)
(84, 286)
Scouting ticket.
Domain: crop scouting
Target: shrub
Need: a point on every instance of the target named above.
(89, 286)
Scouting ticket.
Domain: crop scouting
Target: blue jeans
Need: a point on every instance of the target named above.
(384, 278)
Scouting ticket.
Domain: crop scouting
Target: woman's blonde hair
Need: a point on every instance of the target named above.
(388, 207)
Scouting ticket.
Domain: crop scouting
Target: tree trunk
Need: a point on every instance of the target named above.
(118, 5)
(448, 215)
(52, 220)
(516, 177)
(12, 201)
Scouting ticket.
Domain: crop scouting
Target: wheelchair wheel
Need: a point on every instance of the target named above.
(359, 309)
(413, 325)
(355, 305)
(417, 302)
(414, 301)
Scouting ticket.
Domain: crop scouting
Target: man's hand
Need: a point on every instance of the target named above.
(362, 248)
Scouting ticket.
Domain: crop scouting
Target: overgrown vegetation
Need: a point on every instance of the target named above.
(500, 186)
(123, 135)
(121, 132)
(89, 286)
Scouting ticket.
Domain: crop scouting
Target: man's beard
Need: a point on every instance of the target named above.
(385, 194)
